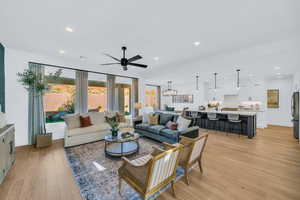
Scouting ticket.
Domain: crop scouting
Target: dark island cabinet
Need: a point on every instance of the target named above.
(246, 128)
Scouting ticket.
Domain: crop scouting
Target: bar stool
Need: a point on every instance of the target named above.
(212, 117)
(234, 119)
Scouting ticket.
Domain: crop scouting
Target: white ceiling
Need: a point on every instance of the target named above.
(261, 32)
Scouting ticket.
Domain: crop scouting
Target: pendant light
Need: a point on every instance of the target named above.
(197, 82)
(238, 79)
(169, 91)
(215, 74)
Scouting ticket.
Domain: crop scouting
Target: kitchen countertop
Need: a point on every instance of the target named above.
(245, 113)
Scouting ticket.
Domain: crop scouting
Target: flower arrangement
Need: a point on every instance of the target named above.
(114, 124)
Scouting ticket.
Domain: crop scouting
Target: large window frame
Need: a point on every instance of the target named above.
(153, 96)
(60, 97)
(126, 87)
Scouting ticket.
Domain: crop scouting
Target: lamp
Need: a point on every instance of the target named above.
(238, 79)
(138, 106)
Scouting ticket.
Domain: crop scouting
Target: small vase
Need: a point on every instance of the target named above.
(114, 133)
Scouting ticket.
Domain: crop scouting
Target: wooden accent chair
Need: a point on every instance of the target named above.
(150, 173)
(192, 153)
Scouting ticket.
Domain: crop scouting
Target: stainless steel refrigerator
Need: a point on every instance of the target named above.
(295, 113)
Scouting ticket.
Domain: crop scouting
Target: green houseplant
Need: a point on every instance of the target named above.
(37, 81)
(114, 125)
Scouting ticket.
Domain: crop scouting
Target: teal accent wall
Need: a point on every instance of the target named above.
(2, 78)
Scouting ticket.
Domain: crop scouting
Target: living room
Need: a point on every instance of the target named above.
(121, 87)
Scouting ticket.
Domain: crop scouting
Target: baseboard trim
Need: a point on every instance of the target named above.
(30, 146)
(278, 126)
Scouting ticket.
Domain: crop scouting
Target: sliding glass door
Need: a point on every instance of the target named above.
(152, 96)
(123, 95)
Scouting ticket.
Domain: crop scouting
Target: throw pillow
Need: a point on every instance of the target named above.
(153, 119)
(164, 118)
(97, 117)
(72, 121)
(85, 121)
(171, 125)
(146, 117)
(183, 123)
(120, 117)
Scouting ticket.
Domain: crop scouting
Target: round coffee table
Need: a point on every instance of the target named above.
(119, 146)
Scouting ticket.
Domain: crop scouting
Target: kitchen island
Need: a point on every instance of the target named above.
(247, 127)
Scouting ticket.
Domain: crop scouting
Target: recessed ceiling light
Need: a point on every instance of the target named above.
(69, 29)
(250, 75)
(277, 68)
(82, 58)
(278, 74)
(156, 58)
(196, 43)
(62, 51)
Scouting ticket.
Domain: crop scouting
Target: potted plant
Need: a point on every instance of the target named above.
(38, 84)
(114, 125)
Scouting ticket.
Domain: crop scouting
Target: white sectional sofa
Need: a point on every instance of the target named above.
(75, 135)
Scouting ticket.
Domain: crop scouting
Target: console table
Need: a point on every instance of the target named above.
(7, 150)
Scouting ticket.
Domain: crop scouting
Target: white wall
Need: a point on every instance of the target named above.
(282, 115)
(16, 96)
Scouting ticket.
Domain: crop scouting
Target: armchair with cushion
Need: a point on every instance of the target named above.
(192, 153)
(148, 174)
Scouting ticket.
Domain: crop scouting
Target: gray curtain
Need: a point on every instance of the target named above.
(81, 101)
(135, 96)
(36, 116)
(111, 85)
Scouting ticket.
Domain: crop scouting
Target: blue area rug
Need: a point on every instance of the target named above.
(97, 175)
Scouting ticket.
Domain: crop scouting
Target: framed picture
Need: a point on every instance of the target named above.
(273, 98)
(183, 98)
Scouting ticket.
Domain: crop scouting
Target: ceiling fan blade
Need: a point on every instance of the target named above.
(134, 58)
(138, 65)
(111, 57)
(111, 63)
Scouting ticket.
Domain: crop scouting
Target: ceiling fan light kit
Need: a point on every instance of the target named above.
(169, 91)
(124, 62)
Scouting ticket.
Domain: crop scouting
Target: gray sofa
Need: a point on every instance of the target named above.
(161, 132)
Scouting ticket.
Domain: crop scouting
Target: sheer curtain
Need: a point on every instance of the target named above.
(111, 85)
(36, 116)
(81, 101)
(135, 96)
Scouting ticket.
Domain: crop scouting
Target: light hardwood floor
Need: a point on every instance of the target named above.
(266, 167)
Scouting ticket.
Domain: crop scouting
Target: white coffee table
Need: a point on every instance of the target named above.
(119, 146)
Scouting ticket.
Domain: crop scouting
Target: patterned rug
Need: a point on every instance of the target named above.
(97, 175)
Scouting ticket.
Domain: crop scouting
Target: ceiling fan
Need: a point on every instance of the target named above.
(125, 62)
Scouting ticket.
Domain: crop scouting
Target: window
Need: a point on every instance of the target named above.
(60, 98)
(152, 94)
(123, 95)
(97, 92)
